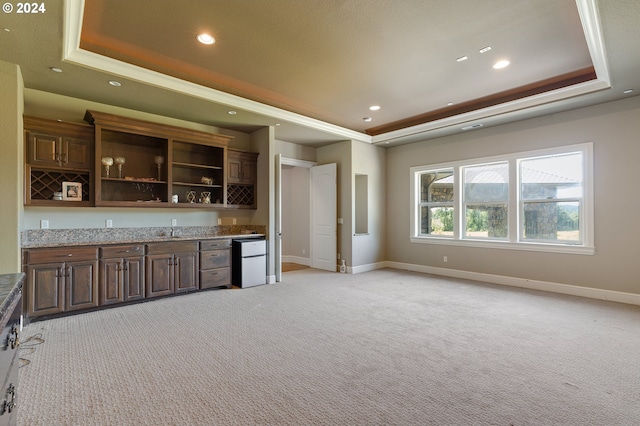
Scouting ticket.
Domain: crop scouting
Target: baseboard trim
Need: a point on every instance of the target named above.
(296, 259)
(592, 293)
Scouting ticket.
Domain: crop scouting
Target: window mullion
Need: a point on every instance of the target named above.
(458, 208)
(514, 217)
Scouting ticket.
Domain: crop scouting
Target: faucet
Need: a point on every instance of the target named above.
(173, 232)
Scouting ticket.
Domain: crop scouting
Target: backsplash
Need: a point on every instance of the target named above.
(62, 237)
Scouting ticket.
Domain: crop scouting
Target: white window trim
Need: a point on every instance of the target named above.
(587, 215)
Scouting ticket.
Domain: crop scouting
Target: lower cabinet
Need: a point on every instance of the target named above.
(215, 263)
(121, 274)
(61, 280)
(172, 267)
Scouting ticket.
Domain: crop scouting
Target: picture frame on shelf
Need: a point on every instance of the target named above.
(71, 191)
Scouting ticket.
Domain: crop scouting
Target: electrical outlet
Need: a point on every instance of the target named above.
(304, 251)
(234, 221)
(108, 223)
(338, 256)
(219, 221)
(445, 259)
(44, 224)
(174, 222)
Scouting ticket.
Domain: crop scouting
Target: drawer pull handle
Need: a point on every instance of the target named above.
(10, 400)
(13, 338)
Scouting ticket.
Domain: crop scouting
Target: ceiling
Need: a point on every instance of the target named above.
(313, 68)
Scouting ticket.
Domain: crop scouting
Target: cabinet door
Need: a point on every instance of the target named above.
(186, 271)
(76, 153)
(44, 150)
(234, 171)
(111, 281)
(45, 289)
(81, 285)
(134, 278)
(248, 171)
(159, 275)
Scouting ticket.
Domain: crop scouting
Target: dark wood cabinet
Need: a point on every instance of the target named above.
(172, 267)
(59, 151)
(241, 166)
(61, 280)
(56, 153)
(241, 179)
(121, 274)
(138, 163)
(215, 263)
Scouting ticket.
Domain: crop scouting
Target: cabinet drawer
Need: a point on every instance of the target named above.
(215, 278)
(67, 254)
(214, 259)
(112, 252)
(215, 244)
(170, 247)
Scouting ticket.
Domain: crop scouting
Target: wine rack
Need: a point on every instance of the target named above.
(43, 183)
(241, 195)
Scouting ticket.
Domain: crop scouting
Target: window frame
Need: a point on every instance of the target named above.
(515, 240)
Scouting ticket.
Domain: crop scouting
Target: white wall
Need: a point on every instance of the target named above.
(612, 127)
(371, 161)
(11, 167)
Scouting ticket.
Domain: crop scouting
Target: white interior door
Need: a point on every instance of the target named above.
(324, 217)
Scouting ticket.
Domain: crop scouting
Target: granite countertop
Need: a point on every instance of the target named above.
(10, 290)
(43, 238)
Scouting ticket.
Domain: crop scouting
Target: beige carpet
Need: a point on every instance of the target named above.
(380, 348)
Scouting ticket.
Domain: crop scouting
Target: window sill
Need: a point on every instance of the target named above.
(505, 245)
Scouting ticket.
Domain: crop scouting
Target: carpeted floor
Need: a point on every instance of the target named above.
(380, 348)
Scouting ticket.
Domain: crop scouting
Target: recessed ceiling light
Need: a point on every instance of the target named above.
(501, 64)
(462, 58)
(449, 103)
(367, 119)
(277, 124)
(626, 92)
(7, 29)
(374, 107)
(205, 39)
(232, 112)
(55, 69)
(115, 83)
(485, 49)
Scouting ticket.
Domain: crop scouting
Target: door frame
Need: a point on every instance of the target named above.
(280, 162)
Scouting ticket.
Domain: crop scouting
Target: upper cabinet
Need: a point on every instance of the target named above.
(123, 162)
(56, 153)
(138, 163)
(241, 179)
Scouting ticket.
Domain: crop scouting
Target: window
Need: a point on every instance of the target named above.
(486, 200)
(541, 200)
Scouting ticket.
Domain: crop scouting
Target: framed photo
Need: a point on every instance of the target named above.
(71, 191)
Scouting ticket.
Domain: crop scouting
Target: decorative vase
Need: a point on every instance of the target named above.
(191, 196)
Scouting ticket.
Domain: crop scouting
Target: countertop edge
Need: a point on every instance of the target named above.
(138, 241)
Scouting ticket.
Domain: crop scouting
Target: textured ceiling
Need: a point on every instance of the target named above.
(331, 60)
(313, 67)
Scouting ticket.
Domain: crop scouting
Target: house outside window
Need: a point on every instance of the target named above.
(537, 200)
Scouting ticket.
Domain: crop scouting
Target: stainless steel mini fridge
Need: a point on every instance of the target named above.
(249, 262)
